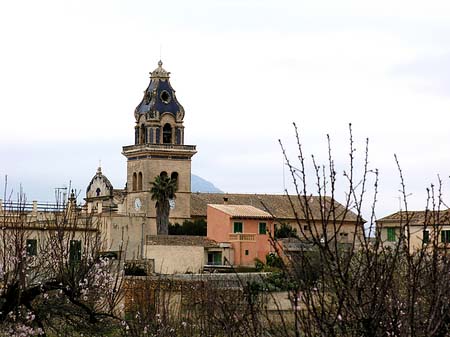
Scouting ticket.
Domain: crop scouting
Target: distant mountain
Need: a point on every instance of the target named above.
(199, 184)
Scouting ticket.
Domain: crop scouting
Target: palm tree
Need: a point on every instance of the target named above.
(163, 189)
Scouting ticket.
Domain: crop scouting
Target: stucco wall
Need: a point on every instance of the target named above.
(176, 259)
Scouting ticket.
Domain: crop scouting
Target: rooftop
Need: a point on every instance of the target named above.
(242, 211)
(281, 206)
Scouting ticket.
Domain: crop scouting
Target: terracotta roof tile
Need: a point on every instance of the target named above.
(276, 204)
(418, 217)
(242, 211)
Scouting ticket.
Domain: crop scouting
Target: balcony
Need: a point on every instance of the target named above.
(246, 237)
(159, 147)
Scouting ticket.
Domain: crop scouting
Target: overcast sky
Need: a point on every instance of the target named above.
(72, 72)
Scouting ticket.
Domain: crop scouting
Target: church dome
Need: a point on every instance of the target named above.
(159, 97)
(100, 186)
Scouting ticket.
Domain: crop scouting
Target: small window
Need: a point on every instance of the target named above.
(445, 236)
(305, 227)
(31, 247)
(134, 182)
(167, 134)
(215, 258)
(391, 234)
(246, 252)
(174, 176)
(75, 251)
(139, 181)
(262, 228)
(426, 236)
(237, 228)
(98, 191)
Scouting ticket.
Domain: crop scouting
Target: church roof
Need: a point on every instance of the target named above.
(100, 178)
(277, 204)
(159, 97)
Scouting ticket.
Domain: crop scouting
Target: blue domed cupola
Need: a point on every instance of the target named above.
(159, 98)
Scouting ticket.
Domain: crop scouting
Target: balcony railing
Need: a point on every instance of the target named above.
(242, 237)
(159, 147)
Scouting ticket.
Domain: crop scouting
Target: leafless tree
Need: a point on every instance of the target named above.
(364, 287)
(53, 278)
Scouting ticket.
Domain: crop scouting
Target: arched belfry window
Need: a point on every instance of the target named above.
(134, 181)
(178, 136)
(139, 182)
(167, 134)
(143, 135)
(174, 176)
(136, 135)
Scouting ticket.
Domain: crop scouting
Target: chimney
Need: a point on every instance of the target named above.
(225, 200)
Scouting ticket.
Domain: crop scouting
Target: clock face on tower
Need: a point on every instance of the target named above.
(137, 204)
(172, 203)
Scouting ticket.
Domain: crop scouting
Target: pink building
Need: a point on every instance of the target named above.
(245, 227)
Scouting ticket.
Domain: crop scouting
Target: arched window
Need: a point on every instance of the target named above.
(174, 176)
(139, 182)
(143, 135)
(97, 191)
(158, 131)
(178, 135)
(167, 134)
(134, 181)
(163, 174)
(136, 135)
(151, 136)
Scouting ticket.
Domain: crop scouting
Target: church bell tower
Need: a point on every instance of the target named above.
(158, 150)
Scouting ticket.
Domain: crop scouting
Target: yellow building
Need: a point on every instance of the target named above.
(424, 228)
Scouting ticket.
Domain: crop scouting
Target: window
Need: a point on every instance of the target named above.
(305, 227)
(158, 131)
(178, 133)
(134, 181)
(142, 135)
(246, 252)
(136, 135)
(167, 134)
(139, 182)
(237, 228)
(31, 247)
(214, 258)
(445, 236)
(262, 228)
(391, 234)
(98, 191)
(426, 236)
(174, 176)
(75, 251)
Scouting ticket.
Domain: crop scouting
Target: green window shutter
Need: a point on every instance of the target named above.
(391, 234)
(262, 228)
(237, 228)
(445, 236)
(75, 251)
(218, 258)
(31, 247)
(426, 236)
